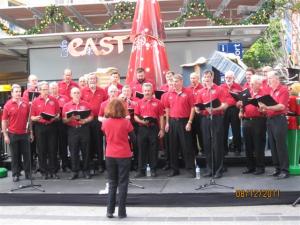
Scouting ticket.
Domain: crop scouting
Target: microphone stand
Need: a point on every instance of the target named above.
(296, 202)
(212, 181)
(31, 184)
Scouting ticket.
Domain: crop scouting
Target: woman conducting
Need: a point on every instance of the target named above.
(118, 155)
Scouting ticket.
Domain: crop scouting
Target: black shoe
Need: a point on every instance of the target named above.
(16, 179)
(100, 170)
(192, 173)
(207, 174)
(247, 171)
(55, 176)
(237, 153)
(121, 216)
(282, 175)
(109, 215)
(74, 176)
(275, 173)
(166, 167)
(87, 176)
(139, 175)
(259, 171)
(153, 174)
(173, 173)
(218, 175)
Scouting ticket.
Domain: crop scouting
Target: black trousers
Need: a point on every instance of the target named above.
(46, 141)
(147, 138)
(96, 141)
(19, 147)
(63, 143)
(196, 133)
(277, 128)
(213, 138)
(118, 177)
(166, 140)
(254, 131)
(231, 117)
(134, 146)
(79, 140)
(180, 138)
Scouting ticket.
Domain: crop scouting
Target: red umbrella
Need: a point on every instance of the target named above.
(148, 50)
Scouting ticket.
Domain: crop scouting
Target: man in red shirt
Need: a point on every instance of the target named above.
(180, 114)
(31, 87)
(169, 76)
(67, 84)
(254, 130)
(164, 98)
(212, 125)
(114, 80)
(82, 81)
(136, 85)
(46, 130)
(95, 95)
(62, 128)
(249, 72)
(195, 87)
(14, 120)
(112, 92)
(149, 115)
(231, 114)
(130, 103)
(277, 125)
(78, 133)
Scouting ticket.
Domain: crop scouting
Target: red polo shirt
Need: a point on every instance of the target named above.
(195, 90)
(235, 87)
(180, 104)
(70, 106)
(116, 132)
(137, 87)
(250, 110)
(281, 96)
(149, 108)
(62, 100)
(65, 89)
(94, 99)
(164, 88)
(16, 115)
(49, 105)
(102, 107)
(26, 94)
(119, 86)
(266, 87)
(206, 95)
(246, 86)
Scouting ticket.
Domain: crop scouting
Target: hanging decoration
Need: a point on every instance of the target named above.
(125, 10)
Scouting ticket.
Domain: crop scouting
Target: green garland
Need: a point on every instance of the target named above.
(125, 10)
(198, 8)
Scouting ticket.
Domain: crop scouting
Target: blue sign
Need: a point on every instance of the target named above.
(231, 47)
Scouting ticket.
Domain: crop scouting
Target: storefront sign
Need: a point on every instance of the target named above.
(80, 47)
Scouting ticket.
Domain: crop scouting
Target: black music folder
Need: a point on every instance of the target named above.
(33, 94)
(241, 96)
(267, 100)
(214, 104)
(158, 94)
(139, 95)
(81, 113)
(47, 116)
